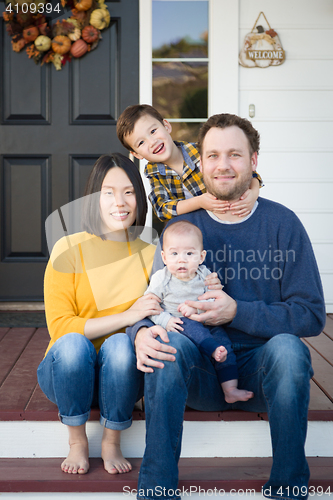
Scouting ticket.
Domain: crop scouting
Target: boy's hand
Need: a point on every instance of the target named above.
(173, 325)
(246, 202)
(243, 207)
(210, 202)
(149, 350)
(213, 282)
(186, 310)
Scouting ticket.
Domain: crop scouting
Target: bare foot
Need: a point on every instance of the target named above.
(233, 394)
(220, 354)
(77, 461)
(114, 462)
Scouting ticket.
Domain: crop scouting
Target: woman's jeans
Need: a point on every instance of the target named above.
(74, 377)
(278, 372)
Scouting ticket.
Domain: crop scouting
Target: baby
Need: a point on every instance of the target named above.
(183, 278)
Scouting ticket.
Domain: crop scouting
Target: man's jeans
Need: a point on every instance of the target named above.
(74, 377)
(277, 372)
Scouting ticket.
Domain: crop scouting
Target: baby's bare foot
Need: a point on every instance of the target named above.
(220, 354)
(233, 394)
(114, 462)
(77, 461)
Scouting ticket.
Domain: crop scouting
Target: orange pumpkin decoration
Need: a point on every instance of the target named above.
(30, 34)
(90, 34)
(79, 48)
(83, 5)
(61, 44)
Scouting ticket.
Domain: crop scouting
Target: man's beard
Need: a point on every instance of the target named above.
(226, 192)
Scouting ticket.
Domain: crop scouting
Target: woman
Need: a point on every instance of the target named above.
(93, 287)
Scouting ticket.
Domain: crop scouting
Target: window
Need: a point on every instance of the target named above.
(180, 64)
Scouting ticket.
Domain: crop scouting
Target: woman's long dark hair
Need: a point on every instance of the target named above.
(91, 221)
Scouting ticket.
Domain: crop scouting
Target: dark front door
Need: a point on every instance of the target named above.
(54, 125)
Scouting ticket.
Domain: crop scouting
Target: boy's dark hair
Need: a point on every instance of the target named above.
(91, 220)
(130, 116)
(225, 120)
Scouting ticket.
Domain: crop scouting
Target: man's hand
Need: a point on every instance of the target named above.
(186, 310)
(218, 312)
(149, 349)
(213, 282)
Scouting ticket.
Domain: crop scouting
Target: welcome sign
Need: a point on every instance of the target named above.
(261, 48)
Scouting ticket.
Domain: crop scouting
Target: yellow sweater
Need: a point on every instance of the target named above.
(87, 277)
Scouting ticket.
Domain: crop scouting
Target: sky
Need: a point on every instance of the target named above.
(175, 19)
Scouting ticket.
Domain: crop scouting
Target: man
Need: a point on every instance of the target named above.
(272, 296)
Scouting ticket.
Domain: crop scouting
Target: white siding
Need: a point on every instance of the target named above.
(294, 115)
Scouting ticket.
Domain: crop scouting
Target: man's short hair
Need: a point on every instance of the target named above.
(225, 120)
(91, 220)
(128, 118)
(183, 228)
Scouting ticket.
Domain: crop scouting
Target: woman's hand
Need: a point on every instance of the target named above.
(213, 282)
(147, 305)
(149, 350)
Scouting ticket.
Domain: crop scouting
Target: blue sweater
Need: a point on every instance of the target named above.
(266, 263)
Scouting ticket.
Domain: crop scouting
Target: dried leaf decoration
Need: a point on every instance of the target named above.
(17, 21)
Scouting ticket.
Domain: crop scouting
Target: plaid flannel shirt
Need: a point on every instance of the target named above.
(167, 186)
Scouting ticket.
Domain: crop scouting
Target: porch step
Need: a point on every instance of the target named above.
(209, 474)
(200, 439)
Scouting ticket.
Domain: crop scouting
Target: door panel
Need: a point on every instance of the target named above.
(54, 125)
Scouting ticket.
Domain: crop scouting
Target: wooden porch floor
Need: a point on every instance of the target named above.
(221, 474)
(22, 349)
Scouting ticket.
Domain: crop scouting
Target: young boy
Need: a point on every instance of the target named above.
(173, 170)
(182, 279)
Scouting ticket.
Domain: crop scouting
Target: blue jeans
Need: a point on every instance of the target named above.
(278, 372)
(74, 377)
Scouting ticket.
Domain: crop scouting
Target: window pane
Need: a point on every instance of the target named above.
(187, 132)
(180, 28)
(180, 90)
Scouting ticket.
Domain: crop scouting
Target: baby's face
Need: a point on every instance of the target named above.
(182, 255)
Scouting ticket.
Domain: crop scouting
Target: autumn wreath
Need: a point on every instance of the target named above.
(29, 28)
